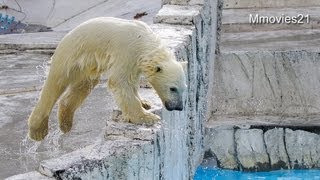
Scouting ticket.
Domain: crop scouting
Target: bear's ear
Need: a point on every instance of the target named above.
(158, 68)
(184, 65)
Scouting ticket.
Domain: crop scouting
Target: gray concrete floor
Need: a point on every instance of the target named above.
(22, 74)
(20, 82)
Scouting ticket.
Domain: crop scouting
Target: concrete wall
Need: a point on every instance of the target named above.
(265, 82)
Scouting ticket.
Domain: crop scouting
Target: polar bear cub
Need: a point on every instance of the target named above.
(124, 49)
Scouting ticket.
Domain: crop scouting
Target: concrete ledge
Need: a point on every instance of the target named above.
(267, 121)
(123, 159)
(282, 40)
(174, 36)
(43, 40)
(183, 2)
(269, 3)
(174, 14)
(33, 175)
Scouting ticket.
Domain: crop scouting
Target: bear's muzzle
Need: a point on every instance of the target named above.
(174, 105)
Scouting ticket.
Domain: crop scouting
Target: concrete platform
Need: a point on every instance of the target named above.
(19, 152)
(31, 41)
(295, 122)
(175, 14)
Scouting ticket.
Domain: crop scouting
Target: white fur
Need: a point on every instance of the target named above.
(124, 49)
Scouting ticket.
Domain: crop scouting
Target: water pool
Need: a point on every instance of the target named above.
(205, 173)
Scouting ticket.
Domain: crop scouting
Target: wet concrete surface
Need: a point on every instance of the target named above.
(18, 154)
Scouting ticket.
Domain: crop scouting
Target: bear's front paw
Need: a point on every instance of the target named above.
(146, 104)
(37, 131)
(147, 118)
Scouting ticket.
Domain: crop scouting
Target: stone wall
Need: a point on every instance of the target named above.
(282, 83)
(256, 148)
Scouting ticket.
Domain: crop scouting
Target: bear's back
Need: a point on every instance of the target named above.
(102, 41)
(108, 32)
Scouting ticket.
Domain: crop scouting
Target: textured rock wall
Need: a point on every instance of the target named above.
(182, 133)
(276, 83)
(255, 149)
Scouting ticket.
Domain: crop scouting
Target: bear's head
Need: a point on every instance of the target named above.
(168, 78)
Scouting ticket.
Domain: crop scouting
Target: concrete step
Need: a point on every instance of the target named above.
(175, 14)
(269, 3)
(280, 40)
(223, 121)
(41, 40)
(238, 20)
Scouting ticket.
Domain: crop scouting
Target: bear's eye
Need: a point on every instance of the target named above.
(173, 89)
(158, 69)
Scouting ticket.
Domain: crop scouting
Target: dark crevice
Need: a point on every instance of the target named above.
(311, 129)
(265, 147)
(285, 148)
(240, 167)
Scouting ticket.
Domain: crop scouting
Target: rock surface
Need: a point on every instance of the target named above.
(260, 147)
(303, 148)
(222, 144)
(251, 149)
(274, 139)
(265, 82)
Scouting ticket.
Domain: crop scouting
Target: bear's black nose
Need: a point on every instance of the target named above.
(172, 106)
(179, 108)
(168, 106)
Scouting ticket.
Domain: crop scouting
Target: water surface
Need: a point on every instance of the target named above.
(205, 173)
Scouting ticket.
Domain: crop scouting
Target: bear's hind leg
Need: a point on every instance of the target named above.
(71, 100)
(38, 120)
